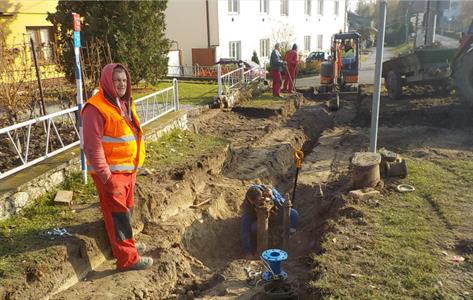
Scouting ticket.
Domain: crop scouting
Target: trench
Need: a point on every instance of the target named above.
(197, 251)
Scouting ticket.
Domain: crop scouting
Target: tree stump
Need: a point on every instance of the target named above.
(365, 170)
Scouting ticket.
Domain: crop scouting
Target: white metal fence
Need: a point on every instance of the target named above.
(193, 71)
(237, 78)
(28, 143)
(155, 105)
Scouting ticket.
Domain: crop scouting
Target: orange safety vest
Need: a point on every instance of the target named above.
(123, 152)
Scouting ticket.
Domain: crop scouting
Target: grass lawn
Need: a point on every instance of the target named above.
(178, 147)
(403, 247)
(265, 100)
(190, 92)
(25, 232)
(23, 235)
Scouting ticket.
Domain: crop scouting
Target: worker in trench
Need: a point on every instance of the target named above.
(114, 147)
(259, 195)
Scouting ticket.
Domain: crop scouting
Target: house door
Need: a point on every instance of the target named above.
(174, 63)
(203, 56)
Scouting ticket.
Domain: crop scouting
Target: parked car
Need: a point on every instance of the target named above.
(317, 56)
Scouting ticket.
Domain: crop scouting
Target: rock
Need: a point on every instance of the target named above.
(139, 294)
(363, 194)
(145, 172)
(63, 197)
(19, 200)
(56, 178)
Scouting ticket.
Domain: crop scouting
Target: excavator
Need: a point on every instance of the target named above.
(442, 68)
(339, 75)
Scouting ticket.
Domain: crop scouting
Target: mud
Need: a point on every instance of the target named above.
(197, 250)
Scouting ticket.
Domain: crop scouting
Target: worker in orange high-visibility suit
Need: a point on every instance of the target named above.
(290, 76)
(114, 147)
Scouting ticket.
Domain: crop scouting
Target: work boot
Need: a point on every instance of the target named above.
(143, 263)
(140, 247)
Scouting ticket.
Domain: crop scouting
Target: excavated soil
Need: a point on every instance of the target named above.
(197, 250)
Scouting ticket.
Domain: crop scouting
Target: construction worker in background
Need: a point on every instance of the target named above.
(277, 65)
(348, 55)
(255, 195)
(114, 147)
(290, 75)
(348, 50)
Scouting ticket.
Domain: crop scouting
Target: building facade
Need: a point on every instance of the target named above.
(236, 28)
(20, 22)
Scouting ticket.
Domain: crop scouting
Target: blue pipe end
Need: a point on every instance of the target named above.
(274, 258)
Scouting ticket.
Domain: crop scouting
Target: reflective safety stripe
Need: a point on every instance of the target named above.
(121, 168)
(116, 168)
(123, 139)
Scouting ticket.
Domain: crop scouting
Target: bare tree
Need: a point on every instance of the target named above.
(15, 74)
(284, 34)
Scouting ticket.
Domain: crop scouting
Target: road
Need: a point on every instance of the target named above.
(366, 73)
(447, 41)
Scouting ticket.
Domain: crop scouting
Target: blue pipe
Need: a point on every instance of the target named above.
(274, 258)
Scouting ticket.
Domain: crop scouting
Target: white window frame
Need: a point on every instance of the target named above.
(320, 7)
(234, 49)
(320, 41)
(307, 43)
(336, 7)
(308, 7)
(264, 48)
(264, 6)
(284, 8)
(43, 38)
(233, 7)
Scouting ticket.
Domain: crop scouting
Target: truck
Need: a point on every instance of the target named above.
(443, 68)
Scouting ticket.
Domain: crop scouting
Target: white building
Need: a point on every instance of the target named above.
(203, 29)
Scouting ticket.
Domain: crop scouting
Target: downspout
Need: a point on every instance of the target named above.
(208, 23)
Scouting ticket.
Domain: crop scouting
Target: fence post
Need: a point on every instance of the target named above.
(242, 75)
(219, 80)
(175, 93)
(80, 100)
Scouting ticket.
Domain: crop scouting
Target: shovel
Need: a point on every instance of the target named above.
(292, 81)
(298, 156)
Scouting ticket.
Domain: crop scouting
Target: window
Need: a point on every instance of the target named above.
(235, 50)
(264, 48)
(336, 7)
(43, 42)
(233, 6)
(307, 43)
(320, 39)
(284, 7)
(320, 7)
(264, 6)
(307, 7)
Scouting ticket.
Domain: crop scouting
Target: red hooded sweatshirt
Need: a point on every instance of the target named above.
(93, 122)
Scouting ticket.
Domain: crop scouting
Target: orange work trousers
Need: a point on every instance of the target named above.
(117, 209)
